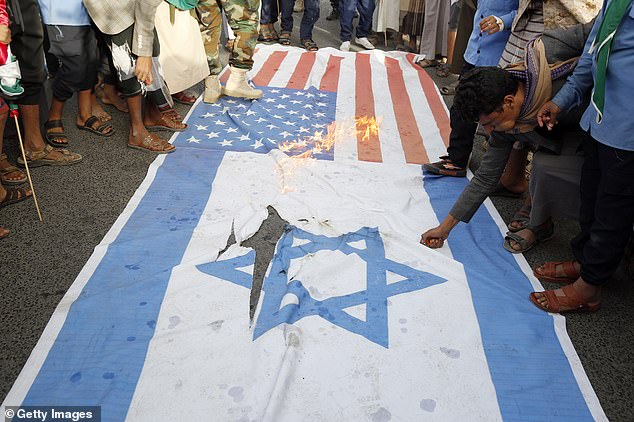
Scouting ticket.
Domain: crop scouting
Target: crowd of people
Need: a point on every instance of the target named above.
(538, 78)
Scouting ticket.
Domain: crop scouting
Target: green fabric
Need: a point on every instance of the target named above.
(183, 4)
(603, 43)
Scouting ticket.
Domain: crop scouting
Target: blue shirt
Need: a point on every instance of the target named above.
(484, 49)
(64, 12)
(617, 126)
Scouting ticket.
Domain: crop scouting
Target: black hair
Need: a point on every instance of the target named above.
(482, 90)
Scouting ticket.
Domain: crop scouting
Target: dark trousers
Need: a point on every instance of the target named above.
(334, 4)
(462, 133)
(311, 14)
(347, 10)
(75, 48)
(269, 12)
(26, 45)
(607, 210)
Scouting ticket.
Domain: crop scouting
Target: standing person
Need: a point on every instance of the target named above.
(311, 14)
(27, 45)
(488, 37)
(243, 19)
(128, 31)
(607, 178)
(72, 42)
(435, 28)
(347, 9)
(334, 11)
(268, 17)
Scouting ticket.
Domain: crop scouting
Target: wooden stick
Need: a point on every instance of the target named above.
(26, 167)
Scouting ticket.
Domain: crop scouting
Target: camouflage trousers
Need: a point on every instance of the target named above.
(243, 17)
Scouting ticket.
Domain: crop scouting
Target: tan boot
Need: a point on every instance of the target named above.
(212, 89)
(237, 85)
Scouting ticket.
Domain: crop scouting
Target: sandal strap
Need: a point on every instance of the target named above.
(38, 155)
(91, 121)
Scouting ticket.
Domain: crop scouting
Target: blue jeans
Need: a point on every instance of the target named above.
(346, 14)
(269, 12)
(311, 14)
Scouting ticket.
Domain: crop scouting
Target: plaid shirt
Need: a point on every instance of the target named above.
(114, 16)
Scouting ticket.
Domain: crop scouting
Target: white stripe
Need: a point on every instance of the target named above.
(427, 125)
(389, 136)
(286, 69)
(346, 143)
(319, 67)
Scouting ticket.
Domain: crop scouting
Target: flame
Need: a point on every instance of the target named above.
(302, 151)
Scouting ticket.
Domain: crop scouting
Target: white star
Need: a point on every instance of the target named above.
(304, 117)
(320, 115)
(226, 143)
(271, 140)
(280, 106)
(208, 115)
(308, 106)
(243, 106)
(303, 130)
(193, 140)
(250, 113)
(260, 133)
(319, 126)
(277, 116)
(201, 127)
(220, 122)
(272, 126)
(231, 130)
(225, 110)
(284, 96)
(322, 104)
(291, 112)
(257, 144)
(260, 120)
(300, 93)
(230, 101)
(275, 91)
(322, 95)
(285, 134)
(269, 100)
(289, 123)
(295, 102)
(309, 95)
(211, 135)
(215, 105)
(244, 137)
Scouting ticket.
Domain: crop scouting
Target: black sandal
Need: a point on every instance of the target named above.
(285, 38)
(309, 44)
(55, 139)
(101, 128)
(15, 195)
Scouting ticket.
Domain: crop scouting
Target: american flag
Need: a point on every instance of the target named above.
(305, 92)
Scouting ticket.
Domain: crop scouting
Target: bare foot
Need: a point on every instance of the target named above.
(98, 111)
(110, 96)
(10, 174)
(4, 232)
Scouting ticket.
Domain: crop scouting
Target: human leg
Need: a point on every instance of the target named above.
(310, 18)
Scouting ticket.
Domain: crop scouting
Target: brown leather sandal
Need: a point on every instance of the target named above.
(154, 144)
(548, 272)
(10, 170)
(568, 301)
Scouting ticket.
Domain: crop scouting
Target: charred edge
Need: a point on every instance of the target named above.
(230, 241)
(263, 242)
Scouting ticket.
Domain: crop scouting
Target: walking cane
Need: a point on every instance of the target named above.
(14, 113)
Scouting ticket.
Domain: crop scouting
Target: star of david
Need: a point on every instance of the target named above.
(374, 297)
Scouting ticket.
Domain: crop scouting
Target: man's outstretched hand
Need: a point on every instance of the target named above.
(434, 238)
(547, 115)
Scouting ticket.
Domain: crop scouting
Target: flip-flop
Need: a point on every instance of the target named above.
(569, 299)
(15, 195)
(541, 235)
(100, 129)
(523, 216)
(550, 272)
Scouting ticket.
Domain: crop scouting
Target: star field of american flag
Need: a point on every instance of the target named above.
(280, 117)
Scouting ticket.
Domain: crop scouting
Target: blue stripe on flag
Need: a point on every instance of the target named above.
(531, 374)
(99, 353)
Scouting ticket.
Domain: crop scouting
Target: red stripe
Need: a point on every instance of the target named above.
(330, 80)
(433, 99)
(271, 66)
(302, 71)
(411, 138)
(368, 149)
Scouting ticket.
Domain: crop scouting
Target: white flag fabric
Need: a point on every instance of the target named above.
(356, 320)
